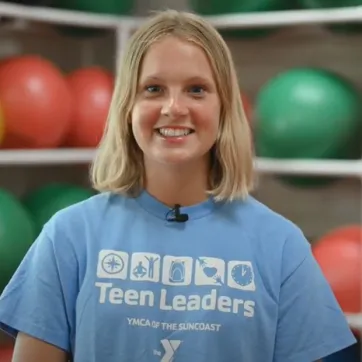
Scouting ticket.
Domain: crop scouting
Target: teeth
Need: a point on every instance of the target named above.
(174, 132)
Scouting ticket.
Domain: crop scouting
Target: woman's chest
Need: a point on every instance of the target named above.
(175, 283)
(206, 292)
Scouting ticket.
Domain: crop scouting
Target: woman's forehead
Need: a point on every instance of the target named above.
(172, 57)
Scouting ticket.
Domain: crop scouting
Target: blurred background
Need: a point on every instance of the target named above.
(300, 79)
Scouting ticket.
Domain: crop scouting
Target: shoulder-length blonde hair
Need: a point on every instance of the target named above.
(118, 165)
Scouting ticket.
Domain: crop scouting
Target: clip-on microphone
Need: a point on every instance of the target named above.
(177, 216)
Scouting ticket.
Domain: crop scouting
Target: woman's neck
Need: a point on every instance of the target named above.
(177, 184)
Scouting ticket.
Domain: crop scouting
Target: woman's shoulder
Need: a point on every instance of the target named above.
(87, 217)
(91, 209)
(257, 217)
(269, 232)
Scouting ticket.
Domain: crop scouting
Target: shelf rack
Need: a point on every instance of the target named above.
(354, 320)
(65, 17)
(287, 18)
(68, 156)
(262, 19)
(46, 157)
(124, 26)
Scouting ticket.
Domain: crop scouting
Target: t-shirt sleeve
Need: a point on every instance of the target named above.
(40, 298)
(311, 324)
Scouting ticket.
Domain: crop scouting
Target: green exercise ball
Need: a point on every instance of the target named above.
(44, 202)
(36, 198)
(104, 7)
(323, 4)
(112, 7)
(346, 28)
(17, 233)
(219, 7)
(308, 113)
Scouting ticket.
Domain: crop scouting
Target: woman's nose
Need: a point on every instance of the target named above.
(174, 106)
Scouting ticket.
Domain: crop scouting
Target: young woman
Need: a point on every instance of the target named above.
(173, 260)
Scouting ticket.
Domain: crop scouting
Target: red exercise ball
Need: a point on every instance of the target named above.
(247, 106)
(6, 354)
(339, 255)
(35, 101)
(91, 90)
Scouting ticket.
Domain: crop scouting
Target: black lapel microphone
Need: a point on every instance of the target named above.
(174, 215)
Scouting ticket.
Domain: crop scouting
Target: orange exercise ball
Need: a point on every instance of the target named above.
(91, 89)
(35, 101)
(339, 255)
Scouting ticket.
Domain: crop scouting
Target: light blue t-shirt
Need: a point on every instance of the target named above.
(110, 280)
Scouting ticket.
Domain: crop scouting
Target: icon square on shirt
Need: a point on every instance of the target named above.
(112, 264)
(209, 271)
(177, 270)
(145, 267)
(241, 275)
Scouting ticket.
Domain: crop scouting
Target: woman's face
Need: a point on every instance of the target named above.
(176, 114)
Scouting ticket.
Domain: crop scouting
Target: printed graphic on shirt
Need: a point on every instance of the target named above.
(112, 264)
(145, 267)
(241, 275)
(170, 347)
(182, 284)
(177, 270)
(209, 271)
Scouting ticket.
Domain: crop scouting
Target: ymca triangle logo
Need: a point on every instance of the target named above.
(170, 347)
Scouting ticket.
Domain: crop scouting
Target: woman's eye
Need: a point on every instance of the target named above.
(194, 90)
(197, 90)
(153, 89)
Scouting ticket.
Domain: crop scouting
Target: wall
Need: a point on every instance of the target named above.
(316, 211)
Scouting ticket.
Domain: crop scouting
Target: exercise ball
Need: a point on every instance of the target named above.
(35, 101)
(111, 7)
(38, 197)
(218, 7)
(318, 4)
(247, 106)
(345, 28)
(91, 90)
(339, 255)
(2, 126)
(6, 353)
(307, 113)
(31, 3)
(17, 233)
(44, 202)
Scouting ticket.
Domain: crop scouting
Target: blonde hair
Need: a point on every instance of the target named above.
(118, 164)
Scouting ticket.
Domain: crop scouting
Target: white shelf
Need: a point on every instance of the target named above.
(288, 17)
(251, 20)
(65, 17)
(64, 156)
(339, 168)
(354, 320)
